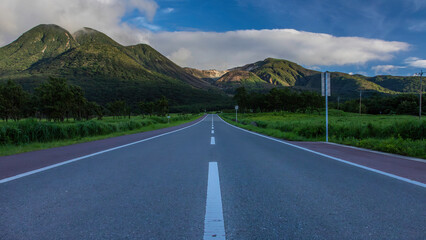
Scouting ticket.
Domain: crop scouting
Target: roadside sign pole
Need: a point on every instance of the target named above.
(421, 93)
(325, 84)
(326, 108)
(236, 115)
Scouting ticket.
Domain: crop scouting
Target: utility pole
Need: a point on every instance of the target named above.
(236, 115)
(421, 93)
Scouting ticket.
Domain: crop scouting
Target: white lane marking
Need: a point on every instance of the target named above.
(214, 227)
(212, 141)
(212, 131)
(4, 180)
(334, 158)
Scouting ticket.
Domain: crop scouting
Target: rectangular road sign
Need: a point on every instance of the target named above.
(325, 76)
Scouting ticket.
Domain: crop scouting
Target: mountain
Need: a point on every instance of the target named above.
(210, 75)
(269, 73)
(395, 83)
(238, 78)
(41, 42)
(106, 70)
(279, 72)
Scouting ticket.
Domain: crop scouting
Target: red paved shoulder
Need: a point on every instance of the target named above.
(393, 164)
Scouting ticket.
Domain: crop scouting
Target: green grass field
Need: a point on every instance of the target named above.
(404, 135)
(30, 134)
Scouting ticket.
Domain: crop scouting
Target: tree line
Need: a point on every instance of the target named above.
(305, 101)
(407, 104)
(58, 100)
(278, 100)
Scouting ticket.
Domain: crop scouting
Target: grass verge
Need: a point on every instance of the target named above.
(403, 135)
(116, 127)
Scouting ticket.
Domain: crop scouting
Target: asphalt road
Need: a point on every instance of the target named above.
(157, 189)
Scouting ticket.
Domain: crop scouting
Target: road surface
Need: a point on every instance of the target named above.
(211, 181)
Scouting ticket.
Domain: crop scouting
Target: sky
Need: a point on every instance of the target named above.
(369, 37)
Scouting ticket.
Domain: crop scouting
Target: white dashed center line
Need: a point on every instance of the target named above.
(214, 227)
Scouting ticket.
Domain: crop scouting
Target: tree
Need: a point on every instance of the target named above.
(117, 108)
(162, 106)
(241, 97)
(77, 105)
(92, 109)
(12, 100)
(54, 96)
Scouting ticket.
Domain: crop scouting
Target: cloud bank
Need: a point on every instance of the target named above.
(386, 69)
(416, 62)
(234, 48)
(205, 50)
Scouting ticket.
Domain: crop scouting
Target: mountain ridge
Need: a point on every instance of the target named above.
(284, 73)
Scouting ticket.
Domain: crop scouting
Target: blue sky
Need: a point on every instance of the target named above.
(390, 20)
(355, 36)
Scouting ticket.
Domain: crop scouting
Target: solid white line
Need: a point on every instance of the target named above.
(212, 131)
(212, 141)
(4, 180)
(214, 227)
(334, 158)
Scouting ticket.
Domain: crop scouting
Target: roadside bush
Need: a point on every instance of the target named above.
(32, 130)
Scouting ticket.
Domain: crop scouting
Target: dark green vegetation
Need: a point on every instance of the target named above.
(31, 134)
(104, 69)
(57, 100)
(271, 73)
(403, 135)
(384, 104)
(278, 100)
(54, 99)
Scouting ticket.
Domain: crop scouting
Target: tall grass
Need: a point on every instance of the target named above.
(32, 130)
(403, 135)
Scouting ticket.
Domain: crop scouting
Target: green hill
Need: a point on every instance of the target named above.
(279, 72)
(283, 73)
(397, 83)
(41, 42)
(106, 70)
(237, 78)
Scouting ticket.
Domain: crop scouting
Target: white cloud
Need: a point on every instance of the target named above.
(18, 16)
(234, 48)
(385, 69)
(416, 62)
(167, 10)
(181, 55)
